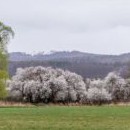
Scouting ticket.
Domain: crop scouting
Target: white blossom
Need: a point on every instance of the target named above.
(39, 84)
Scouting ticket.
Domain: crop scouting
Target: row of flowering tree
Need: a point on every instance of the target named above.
(39, 84)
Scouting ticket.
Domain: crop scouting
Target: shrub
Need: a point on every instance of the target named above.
(115, 85)
(39, 84)
(97, 94)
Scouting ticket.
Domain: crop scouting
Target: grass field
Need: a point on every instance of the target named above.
(65, 118)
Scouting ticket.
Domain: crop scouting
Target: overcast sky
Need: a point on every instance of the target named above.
(94, 26)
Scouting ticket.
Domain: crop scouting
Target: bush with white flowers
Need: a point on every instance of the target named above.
(116, 86)
(97, 94)
(39, 84)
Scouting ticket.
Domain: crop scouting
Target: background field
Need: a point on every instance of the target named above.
(65, 118)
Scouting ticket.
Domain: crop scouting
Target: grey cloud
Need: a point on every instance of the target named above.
(96, 26)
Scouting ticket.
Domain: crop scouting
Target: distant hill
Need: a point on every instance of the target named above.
(85, 64)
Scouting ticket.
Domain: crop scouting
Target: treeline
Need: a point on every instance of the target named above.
(85, 64)
(82, 67)
(47, 85)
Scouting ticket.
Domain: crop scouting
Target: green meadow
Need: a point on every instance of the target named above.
(65, 118)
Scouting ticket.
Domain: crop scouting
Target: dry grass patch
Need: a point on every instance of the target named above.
(13, 104)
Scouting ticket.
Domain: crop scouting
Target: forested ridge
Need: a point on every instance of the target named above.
(85, 64)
